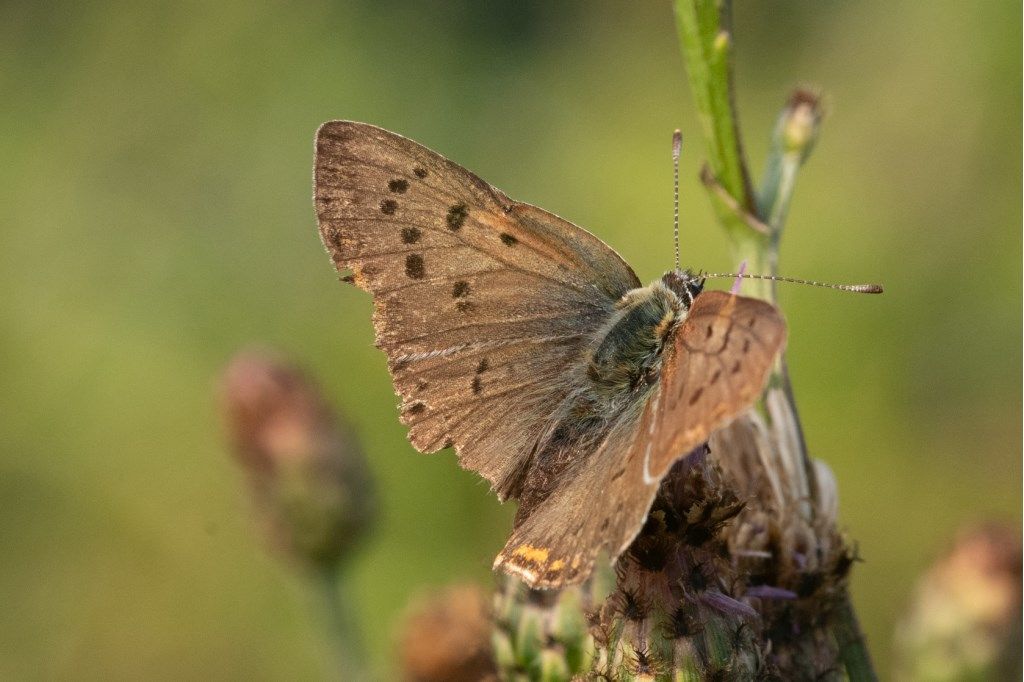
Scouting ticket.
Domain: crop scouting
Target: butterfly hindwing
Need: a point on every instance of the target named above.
(720, 360)
(600, 505)
(480, 302)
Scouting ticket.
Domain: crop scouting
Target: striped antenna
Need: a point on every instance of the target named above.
(677, 150)
(854, 288)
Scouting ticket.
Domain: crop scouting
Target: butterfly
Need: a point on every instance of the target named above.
(529, 346)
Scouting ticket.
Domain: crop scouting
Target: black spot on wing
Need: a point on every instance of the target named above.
(456, 216)
(414, 266)
(411, 235)
(477, 385)
(460, 289)
(388, 206)
(508, 240)
(420, 172)
(482, 367)
(398, 186)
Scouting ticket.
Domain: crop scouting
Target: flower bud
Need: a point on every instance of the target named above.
(305, 468)
(965, 620)
(541, 634)
(446, 638)
(798, 123)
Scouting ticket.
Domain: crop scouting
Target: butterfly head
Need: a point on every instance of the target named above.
(685, 284)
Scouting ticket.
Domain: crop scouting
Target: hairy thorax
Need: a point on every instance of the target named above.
(624, 360)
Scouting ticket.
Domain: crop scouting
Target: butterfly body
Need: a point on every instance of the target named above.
(624, 360)
(529, 346)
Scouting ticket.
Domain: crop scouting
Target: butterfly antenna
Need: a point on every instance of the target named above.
(855, 288)
(677, 150)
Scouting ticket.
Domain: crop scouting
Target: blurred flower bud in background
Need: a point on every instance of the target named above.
(965, 620)
(446, 637)
(307, 474)
(798, 123)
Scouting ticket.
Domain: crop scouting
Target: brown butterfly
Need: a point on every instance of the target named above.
(530, 346)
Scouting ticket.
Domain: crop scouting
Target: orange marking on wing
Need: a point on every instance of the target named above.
(537, 555)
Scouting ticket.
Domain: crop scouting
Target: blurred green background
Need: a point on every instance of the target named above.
(156, 216)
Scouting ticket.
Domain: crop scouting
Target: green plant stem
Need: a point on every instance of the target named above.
(705, 35)
(342, 633)
(853, 650)
(754, 221)
(793, 138)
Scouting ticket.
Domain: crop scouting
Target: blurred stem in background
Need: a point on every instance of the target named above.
(339, 621)
(754, 221)
(310, 485)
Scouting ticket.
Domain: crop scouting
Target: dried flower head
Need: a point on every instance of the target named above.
(739, 571)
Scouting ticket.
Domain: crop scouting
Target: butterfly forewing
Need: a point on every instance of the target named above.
(481, 303)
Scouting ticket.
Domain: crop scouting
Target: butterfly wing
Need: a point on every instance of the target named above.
(481, 302)
(601, 505)
(718, 365)
(715, 369)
